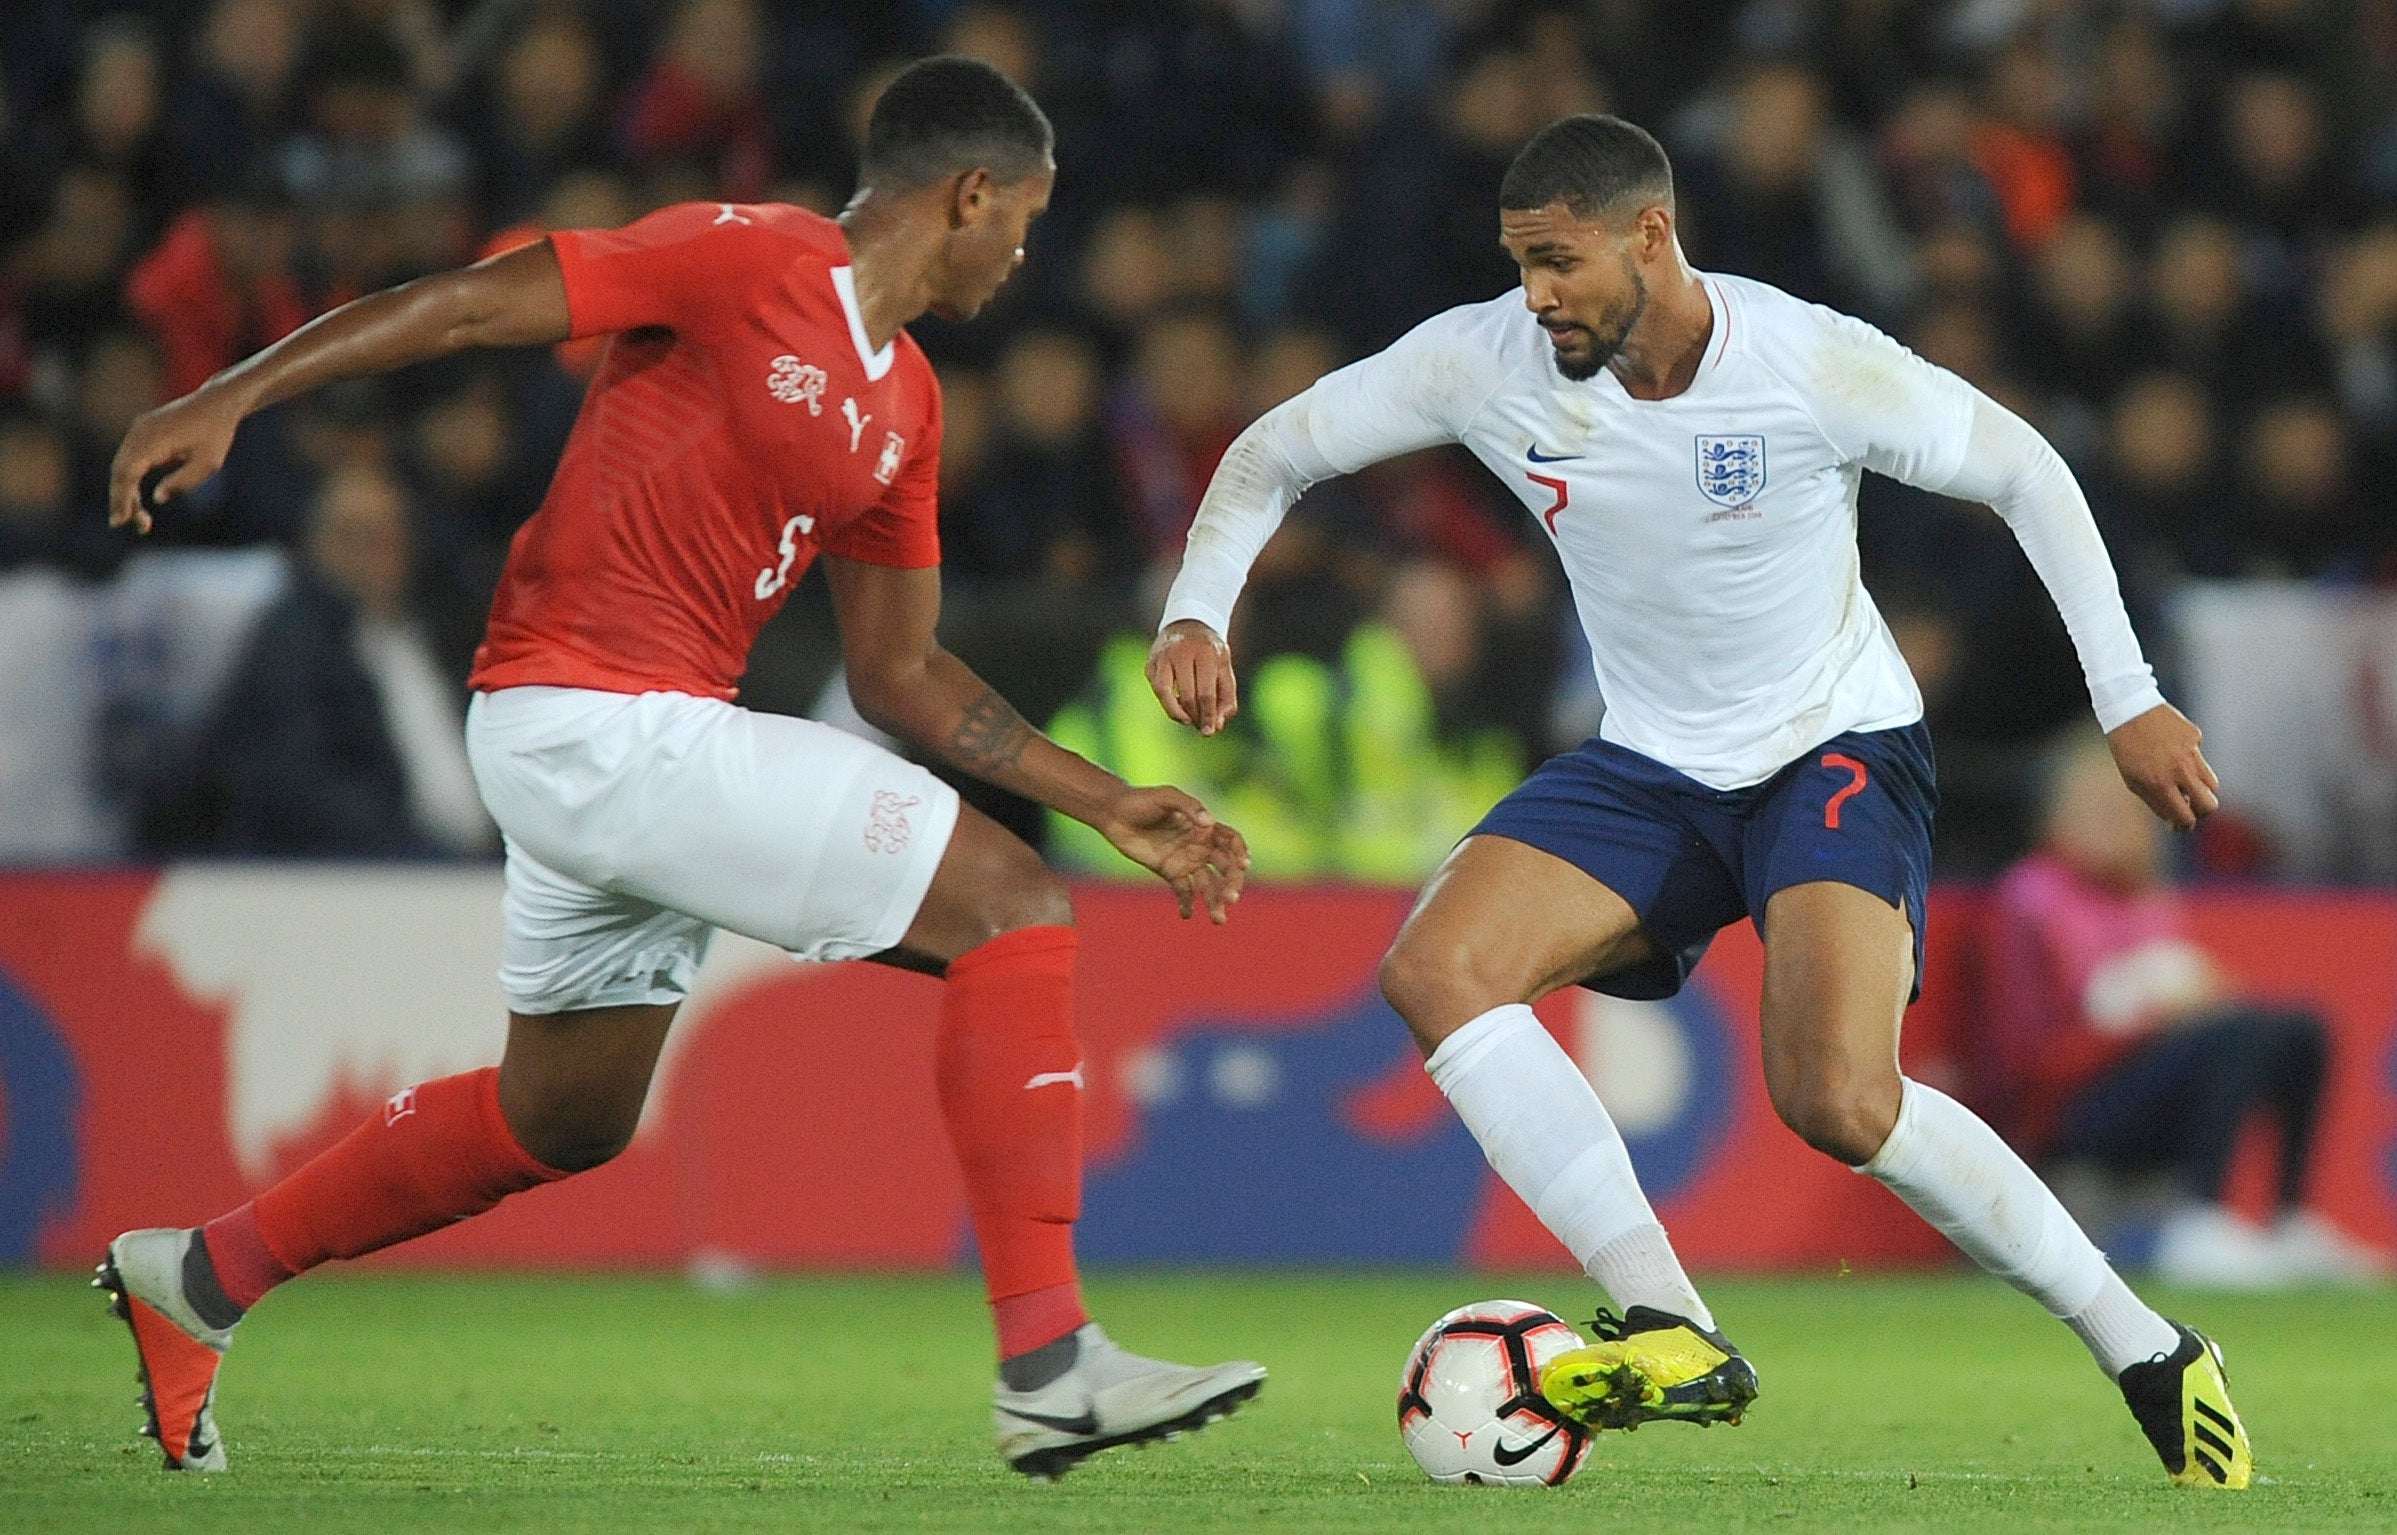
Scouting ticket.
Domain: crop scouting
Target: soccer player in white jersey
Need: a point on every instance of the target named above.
(1692, 444)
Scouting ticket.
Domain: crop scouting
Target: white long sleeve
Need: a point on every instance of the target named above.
(1266, 468)
(1424, 388)
(2009, 466)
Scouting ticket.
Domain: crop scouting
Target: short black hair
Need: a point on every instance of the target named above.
(1590, 163)
(948, 114)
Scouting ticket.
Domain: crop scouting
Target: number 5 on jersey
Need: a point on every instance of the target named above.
(777, 576)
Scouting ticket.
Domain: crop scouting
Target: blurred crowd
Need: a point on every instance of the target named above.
(2164, 230)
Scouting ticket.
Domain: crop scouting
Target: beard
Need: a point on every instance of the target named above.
(1605, 343)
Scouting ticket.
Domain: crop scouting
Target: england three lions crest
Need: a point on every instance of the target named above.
(1731, 469)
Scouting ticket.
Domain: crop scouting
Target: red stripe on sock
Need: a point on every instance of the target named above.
(1009, 1072)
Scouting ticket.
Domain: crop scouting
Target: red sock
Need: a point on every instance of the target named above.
(436, 1153)
(1011, 1089)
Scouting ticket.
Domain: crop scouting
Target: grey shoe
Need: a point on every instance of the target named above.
(178, 1352)
(1110, 1397)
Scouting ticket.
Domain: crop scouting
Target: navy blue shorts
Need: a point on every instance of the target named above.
(1692, 860)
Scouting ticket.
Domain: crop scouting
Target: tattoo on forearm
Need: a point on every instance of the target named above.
(990, 736)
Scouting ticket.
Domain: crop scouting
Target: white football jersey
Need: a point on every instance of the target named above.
(1710, 538)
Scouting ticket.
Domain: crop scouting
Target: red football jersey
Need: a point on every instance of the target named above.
(737, 427)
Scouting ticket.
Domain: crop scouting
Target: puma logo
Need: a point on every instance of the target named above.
(857, 423)
(1052, 1078)
(730, 215)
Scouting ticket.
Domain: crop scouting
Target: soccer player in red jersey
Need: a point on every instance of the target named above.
(761, 404)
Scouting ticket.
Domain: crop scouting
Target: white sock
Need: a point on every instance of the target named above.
(1548, 1136)
(1955, 1173)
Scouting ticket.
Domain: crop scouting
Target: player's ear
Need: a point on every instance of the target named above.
(970, 197)
(1652, 230)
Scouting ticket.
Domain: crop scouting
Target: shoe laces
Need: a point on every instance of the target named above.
(1606, 1327)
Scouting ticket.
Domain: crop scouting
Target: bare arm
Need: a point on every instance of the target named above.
(517, 298)
(904, 682)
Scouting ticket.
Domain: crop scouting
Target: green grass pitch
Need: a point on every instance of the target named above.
(385, 1404)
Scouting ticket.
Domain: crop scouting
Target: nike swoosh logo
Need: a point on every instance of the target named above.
(1507, 1455)
(1088, 1423)
(1536, 456)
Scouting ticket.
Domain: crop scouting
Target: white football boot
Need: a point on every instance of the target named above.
(178, 1352)
(1110, 1397)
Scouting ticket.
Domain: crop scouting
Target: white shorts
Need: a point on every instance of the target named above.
(637, 824)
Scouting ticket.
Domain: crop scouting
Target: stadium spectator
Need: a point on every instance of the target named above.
(218, 285)
(383, 186)
(2303, 513)
(1043, 507)
(2198, 312)
(1776, 190)
(117, 124)
(2159, 485)
(2020, 144)
(2080, 338)
(1176, 413)
(118, 378)
(543, 116)
(67, 272)
(340, 733)
(700, 99)
(233, 107)
(2127, 150)
(2118, 1042)
(37, 523)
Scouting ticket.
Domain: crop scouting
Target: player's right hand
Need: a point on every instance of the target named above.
(168, 452)
(1190, 667)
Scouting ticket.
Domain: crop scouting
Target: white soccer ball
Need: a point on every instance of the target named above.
(1469, 1403)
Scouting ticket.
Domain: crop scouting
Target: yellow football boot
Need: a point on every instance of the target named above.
(1650, 1365)
(2183, 1402)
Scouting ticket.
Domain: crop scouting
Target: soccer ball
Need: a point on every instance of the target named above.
(1469, 1403)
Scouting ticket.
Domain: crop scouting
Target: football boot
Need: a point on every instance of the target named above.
(177, 1352)
(2183, 1403)
(1109, 1397)
(1650, 1366)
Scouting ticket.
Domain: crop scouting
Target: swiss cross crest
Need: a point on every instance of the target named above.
(887, 829)
(1731, 469)
(894, 447)
(794, 382)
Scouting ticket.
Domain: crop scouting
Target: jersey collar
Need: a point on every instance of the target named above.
(1718, 346)
(844, 283)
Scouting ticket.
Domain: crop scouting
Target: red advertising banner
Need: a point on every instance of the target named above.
(171, 1042)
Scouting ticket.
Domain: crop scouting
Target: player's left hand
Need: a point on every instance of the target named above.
(1175, 837)
(2158, 756)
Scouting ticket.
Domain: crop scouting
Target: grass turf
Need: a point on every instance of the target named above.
(384, 1403)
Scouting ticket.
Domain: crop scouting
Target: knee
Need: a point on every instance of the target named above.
(1846, 1115)
(1037, 898)
(1024, 892)
(1437, 988)
(575, 1142)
